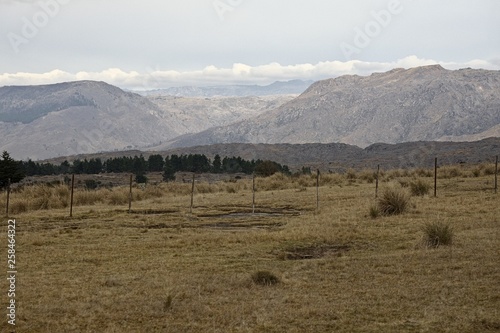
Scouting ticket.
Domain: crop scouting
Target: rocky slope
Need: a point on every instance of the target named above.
(78, 117)
(293, 87)
(194, 114)
(424, 103)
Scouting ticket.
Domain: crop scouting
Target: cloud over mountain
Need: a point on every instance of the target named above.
(237, 74)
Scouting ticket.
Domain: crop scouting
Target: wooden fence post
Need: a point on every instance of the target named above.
(8, 198)
(253, 193)
(317, 190)
(192, 195)
(435, 176)
(71, 196)
(376, 181)
(130, 195)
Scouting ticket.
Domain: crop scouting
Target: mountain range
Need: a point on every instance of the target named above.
(293, 87)
(403, 105)
(425, 103)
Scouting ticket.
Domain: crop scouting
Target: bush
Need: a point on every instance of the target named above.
(420, 187)
(265, 278)
(374, 212)
(393, 201)
(437, 234)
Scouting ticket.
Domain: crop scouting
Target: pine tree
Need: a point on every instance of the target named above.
(10, 169)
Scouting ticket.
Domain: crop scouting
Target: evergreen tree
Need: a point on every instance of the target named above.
(155, 163)
(217, 164)
(168, 170)
(10, 169)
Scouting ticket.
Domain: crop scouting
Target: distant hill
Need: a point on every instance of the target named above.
(425, 103)
(45, 121)
(293, 87)
(78, 117)
(339, 156)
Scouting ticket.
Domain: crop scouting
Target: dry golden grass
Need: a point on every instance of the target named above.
(161, 269)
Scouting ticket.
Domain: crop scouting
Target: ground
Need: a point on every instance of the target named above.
(164, 269)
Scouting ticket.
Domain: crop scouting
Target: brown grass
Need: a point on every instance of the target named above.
(170, 271)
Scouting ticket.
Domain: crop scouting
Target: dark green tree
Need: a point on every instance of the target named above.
(267, 168)
(217, 164)
(10, 169)
(168, 170)
(155, 163)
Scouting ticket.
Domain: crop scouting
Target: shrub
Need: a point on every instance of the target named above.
(90, 184)
(265, 278)
(368, 176)
(420, 187)
(18, 206)
(374, 212)
(351, 174)
(393, 201)
(437, 234)
(84, 198)
(118, 197)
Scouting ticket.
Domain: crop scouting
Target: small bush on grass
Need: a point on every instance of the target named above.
(420, 187)
(437, 234)
(393, 201)
(265, 278)
(374, 212)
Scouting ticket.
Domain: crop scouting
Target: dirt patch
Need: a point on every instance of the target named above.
(250, 214)
(153, 211)
(302, 252)
(242, 225)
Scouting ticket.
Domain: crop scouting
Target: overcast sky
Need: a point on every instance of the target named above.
(162, 43)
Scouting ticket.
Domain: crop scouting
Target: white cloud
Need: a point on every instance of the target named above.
(238, 74)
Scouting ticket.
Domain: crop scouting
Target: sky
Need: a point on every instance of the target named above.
(155, 44)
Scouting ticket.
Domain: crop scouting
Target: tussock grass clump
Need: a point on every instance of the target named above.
(278, 181)
(265, 278)
(86, 198)
(18, 206)
(332, 179)
(449, 172)
(118, 197)
(419, 187)
(437, 234)
(374, 212)
(154, 192)
(393, 201)
(368, 176)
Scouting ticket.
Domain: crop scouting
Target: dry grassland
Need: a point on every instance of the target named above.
(161, 269)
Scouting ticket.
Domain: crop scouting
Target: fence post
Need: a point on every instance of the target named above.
(253, 193)
(130, 195)
(317, 190)
(8, 198)
(496, 175)
(376, 181)
(71, 196)
(192, 196)
(435, 176)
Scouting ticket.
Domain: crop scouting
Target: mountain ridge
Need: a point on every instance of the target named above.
(423, 103)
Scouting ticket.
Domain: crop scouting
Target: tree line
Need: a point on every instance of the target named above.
(139, 166)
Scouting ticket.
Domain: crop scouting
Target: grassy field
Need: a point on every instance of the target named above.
(336, 269)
